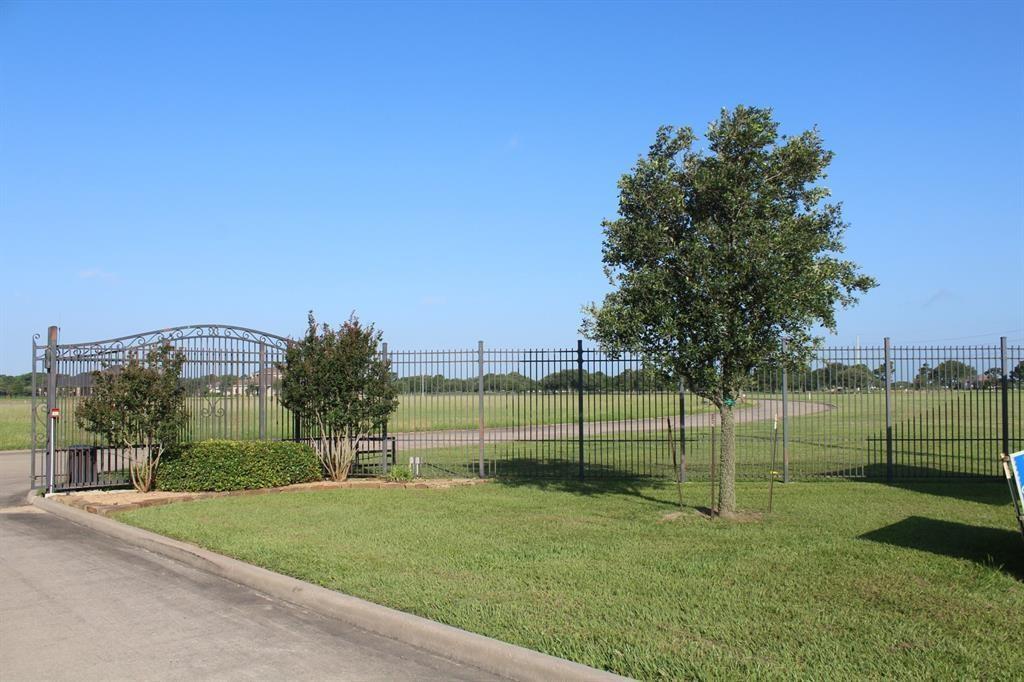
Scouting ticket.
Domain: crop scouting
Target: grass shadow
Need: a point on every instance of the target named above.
(563, 476)
(995, 547)
(931, 481)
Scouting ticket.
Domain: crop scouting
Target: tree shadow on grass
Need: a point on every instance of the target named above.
(563, 476)
(932, 481)
(995, 547)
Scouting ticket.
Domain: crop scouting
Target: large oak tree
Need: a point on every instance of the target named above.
(720, 253)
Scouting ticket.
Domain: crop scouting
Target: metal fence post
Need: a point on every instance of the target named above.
(682, 432)
(51, 403)
(384, 426)
(1005, 381)
(785, 417)
(889, 472)
(262, 383)
(579, 394)
(480, 393)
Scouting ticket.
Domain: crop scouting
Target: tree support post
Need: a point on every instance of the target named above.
(785, 417)
(682, 432)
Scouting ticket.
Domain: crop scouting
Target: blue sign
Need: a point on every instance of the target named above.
(1017, 464)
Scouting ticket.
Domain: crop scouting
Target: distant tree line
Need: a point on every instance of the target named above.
(16, 385)
(635, 380)
(836, 376)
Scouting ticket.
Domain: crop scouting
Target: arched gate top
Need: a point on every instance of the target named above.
(172, 334)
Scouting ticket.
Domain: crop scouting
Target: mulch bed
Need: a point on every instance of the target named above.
(104, 502)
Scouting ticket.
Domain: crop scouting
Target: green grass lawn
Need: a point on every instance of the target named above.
(845, 580)
(15, 424)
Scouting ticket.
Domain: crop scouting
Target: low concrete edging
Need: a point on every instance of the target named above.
(485, 653)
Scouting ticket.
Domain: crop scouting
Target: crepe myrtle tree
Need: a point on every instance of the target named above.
(139, 403)
(718, 254)
(341, 387)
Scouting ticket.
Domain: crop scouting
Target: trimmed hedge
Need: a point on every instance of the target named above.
(217, 465)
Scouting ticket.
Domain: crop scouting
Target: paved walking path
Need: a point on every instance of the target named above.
(75, 604)
(763, 410)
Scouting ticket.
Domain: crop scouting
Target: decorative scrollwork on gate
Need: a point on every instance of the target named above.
(212, 408)
(117, 347)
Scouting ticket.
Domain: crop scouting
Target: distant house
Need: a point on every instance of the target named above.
(250, 384)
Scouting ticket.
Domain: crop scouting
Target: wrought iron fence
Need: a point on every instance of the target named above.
(579, 413)
(583, 413)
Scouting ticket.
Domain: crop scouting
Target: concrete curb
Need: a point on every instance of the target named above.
(485, 653)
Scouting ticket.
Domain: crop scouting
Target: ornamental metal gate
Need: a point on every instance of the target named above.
(230, 375)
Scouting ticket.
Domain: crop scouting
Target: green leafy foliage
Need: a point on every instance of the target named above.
(217, 465)
(399, 472)
(947, 374)
(719, 255)
(138, 404)
(341, 386)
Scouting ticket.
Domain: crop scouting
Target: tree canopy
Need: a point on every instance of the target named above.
(718, 254)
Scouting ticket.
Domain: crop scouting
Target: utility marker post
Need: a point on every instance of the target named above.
(51, 405)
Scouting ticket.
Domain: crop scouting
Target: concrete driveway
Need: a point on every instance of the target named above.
(75, 604)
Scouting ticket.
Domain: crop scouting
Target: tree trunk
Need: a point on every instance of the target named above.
(727, 473)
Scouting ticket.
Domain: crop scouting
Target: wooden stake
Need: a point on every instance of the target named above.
(675, 466)
(713, 428)
(771, 472)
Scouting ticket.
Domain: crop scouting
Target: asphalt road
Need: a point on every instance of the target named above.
(76, 604)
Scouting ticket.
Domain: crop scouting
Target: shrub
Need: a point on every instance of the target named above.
(341, 386)
(217, 465)
(399, 473)
(138, 403)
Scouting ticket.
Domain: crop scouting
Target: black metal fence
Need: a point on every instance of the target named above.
(582, 413)
(880, 412)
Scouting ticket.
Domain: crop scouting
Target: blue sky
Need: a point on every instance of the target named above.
(443, 169)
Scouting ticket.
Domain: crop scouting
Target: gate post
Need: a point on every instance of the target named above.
(785, 416)
(1004, 381)
(262, 379)
(889, 473)
(579, 394)
(480, 396)
(35, 397)
(51, 403)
